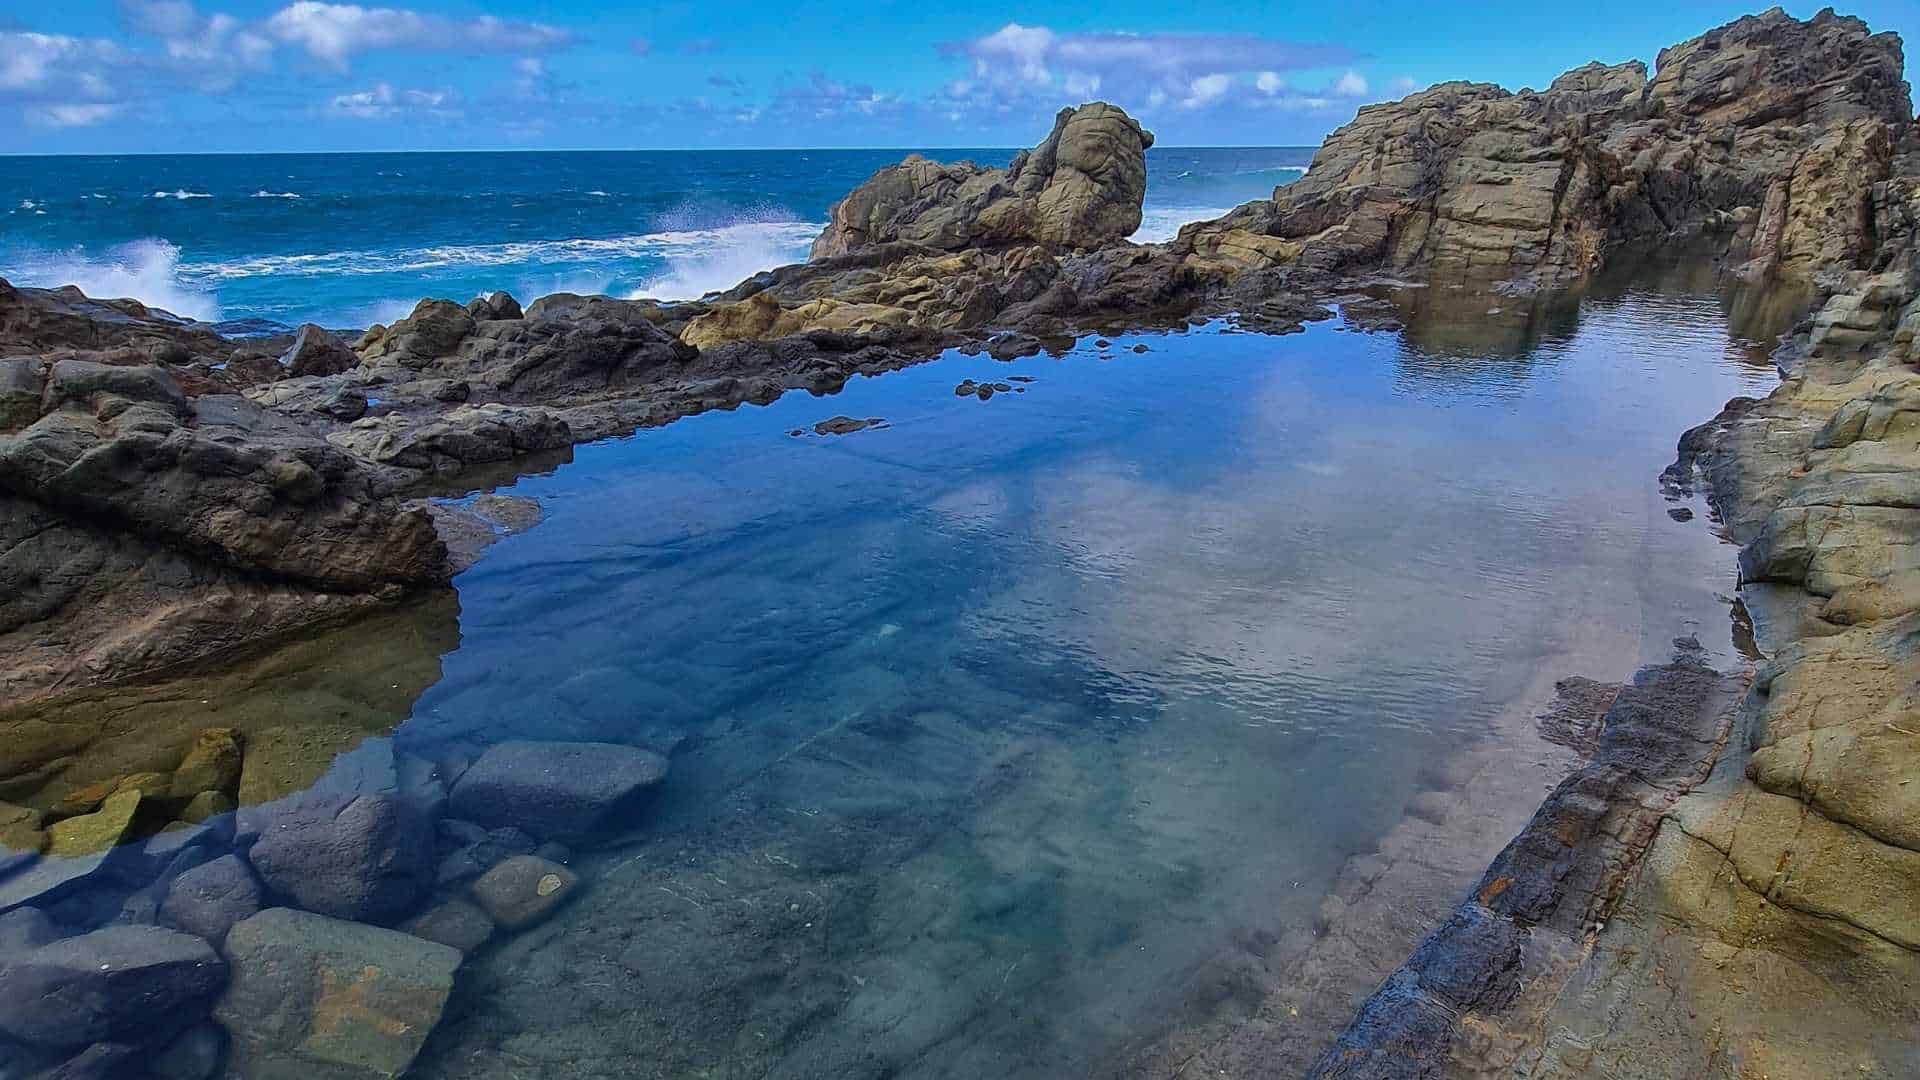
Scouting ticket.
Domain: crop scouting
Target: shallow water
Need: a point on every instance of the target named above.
(1031, 704)
(998, 731)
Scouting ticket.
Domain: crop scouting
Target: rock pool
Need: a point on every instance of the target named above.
(1166, 694)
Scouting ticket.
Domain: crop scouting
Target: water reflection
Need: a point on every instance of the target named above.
(1000, 738)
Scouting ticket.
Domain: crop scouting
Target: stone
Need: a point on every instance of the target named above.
(314, 996)
(209, 899)
(22, 836)
(135, 984)
(1080, 188)
(471, 859)
(195, 1055)
(212, 763)
(207, 806)
(523, 890)
(90, 834)
(316, 352)
(25, 929)
(364, 857)
(569, 792)
(455, 923)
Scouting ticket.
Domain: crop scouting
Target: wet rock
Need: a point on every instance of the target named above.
(207, 806)
(283, 761)
(524, 890)
(212, 763)
(195, 1055)
(364, 857)
(314, 996)
(207, 900)
(477, 856)
(135, 984)
(496, 305)
(569, 792)
(90, 834)
(846, 425)
(455, 923)
(101, 1061)
(22, 836)
(25, 929)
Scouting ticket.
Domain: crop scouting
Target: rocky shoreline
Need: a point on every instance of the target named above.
(1728, 850)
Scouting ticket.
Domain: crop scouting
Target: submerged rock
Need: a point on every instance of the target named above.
(209, 899)
(131, 984)
(314, 996)
(524, 890)
(365, 857)
(569, 792)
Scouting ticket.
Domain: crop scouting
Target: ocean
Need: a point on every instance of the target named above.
(347, 240)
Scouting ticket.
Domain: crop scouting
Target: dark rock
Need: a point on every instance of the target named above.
(524, 890)
(362, 857)
(455, 923)
(207, 900)
(316, 352)
(846, 425)
(195, 1055)
(25, 929)
(569, 792)
(101, 1061)
(134, 984)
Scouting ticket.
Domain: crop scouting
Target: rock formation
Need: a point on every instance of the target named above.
(1081, 188)
(1762, 140)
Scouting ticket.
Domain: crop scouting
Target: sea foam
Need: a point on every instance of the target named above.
(144, 270)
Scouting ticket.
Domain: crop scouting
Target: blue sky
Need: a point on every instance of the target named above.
(119, 76)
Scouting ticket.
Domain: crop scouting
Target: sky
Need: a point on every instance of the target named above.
(187, 76)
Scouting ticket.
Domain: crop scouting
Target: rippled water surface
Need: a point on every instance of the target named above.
(997, 730)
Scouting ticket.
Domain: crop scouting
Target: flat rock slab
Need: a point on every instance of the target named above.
(566, 791)
(127, 984)
(319, 997)
(524, 890)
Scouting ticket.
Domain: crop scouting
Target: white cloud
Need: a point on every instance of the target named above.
(1206, 90)
(334, 33)
(71, 115)
(208, 51)
(1352, 84)
(1404, 85)
(35, 63)
(1269, 82)
(1024, 48)
(383, 102)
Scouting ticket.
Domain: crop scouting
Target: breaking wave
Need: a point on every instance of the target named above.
(145, 270)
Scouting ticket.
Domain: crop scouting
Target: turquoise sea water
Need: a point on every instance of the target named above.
(351, 239)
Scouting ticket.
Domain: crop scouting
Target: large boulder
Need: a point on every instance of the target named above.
(319, 997)
(1763, 140)
(365, 857)
(569, 792)
(130, 984)
(1081, 188)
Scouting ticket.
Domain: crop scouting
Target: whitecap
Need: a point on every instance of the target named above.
(599, 194)
(146, 270)
(1161, 224)
(771, 242)
(700, 261)
(182, 194)
(29, 204)
(274, 195)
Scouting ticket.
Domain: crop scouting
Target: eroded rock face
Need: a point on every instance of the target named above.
(1080, 188)
(124, 498)
(1763, 140)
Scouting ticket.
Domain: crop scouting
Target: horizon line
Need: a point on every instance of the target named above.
(608, 150)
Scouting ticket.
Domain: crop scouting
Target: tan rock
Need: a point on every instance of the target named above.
(212, 763)
(90, 834)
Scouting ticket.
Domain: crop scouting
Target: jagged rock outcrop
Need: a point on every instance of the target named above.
(1080, 188)
(137, 517)
(1762, 140)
